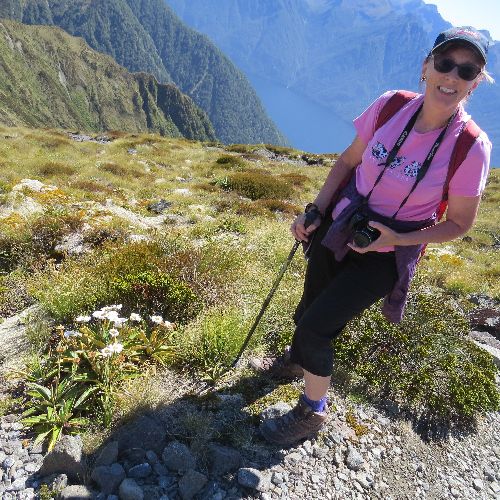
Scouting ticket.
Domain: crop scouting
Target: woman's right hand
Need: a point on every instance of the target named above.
(301, 230)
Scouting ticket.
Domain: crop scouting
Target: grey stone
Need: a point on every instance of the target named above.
(144, 430)
(32, 467)
(17, 485)
(152, 457)
(160, 469)
(65, 458)
(8, 463)
(152, 492)
(276, 410)
(254, 479)
(478, 484)
(56, 481)
(354, 460)
(177, 456)
(76, 492)
(165, 481)
(130, 490)
(108, 454)
(140, 471)
(191, 483)
(224, 459)
(108, 477)
(159, 207)
(134, 456)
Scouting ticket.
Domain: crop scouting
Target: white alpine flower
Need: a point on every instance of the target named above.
(99, 314)
(157, 319)
(111, 315)
(83, 319)
(135, 317)
(114, 332)
(71, 333)
(106, 352)
(116, 348)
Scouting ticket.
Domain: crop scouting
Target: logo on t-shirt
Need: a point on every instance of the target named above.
(380, 153)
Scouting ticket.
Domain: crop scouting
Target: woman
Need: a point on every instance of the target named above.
(390, 206)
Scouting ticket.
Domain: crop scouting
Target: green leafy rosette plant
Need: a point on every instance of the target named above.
(85, 372)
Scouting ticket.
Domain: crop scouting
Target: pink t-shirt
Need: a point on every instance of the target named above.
(398, 179)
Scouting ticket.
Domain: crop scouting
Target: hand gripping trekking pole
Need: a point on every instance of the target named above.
(310, 218)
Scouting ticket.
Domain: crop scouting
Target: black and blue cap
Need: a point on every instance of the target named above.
(466, 34)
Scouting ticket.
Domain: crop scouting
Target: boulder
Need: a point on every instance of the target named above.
(191, 483)
(254, 479)
(144, 430)
(223, 459)
(65, 458)
(178, 457)
(130, 490)
(109, 477)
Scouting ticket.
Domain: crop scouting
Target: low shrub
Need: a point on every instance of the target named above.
(231, 161)
(155, 291)
(425, 363)
(13, 294)
(256, 185)
(279, 206)
(114, 168)
(297, 180)
(54, 168)
(240, 148)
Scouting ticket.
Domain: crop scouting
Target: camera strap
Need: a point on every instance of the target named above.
(397, 146)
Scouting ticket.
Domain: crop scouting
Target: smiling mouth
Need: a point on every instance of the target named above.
(446, 90)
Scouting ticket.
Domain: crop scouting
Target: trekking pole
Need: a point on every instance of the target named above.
(284, 267)
(309, 220)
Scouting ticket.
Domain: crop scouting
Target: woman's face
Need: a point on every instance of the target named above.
(446, 90)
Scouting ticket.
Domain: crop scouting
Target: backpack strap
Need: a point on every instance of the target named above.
(466, 139)
(392, 106)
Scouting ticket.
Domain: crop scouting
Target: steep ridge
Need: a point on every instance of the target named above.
(51, 79)
(340, 54)
(146, 35)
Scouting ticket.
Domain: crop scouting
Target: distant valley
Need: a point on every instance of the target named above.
(339, 55)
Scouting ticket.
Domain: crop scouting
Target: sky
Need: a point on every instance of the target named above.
(482, 14)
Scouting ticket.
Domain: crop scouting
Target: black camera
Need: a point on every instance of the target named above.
(362, 233)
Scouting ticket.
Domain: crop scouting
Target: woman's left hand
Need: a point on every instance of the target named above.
(387, 238)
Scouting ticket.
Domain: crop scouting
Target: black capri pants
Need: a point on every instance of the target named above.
(335, 292)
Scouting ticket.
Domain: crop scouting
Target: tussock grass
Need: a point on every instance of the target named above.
(209, 266)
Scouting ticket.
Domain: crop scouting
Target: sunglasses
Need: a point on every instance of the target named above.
(466, 71)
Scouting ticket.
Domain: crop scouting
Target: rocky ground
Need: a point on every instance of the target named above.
(388, 457)
(145, 460)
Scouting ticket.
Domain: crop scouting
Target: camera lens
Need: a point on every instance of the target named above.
(365, 236)
(361, 238)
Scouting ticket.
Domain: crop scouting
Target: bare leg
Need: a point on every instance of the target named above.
(316, 387)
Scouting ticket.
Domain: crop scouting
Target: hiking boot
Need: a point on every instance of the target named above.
(277, 366)
(302, 422)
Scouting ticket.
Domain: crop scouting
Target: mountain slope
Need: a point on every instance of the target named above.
(146, 35)
(340, 54)
(49, 78)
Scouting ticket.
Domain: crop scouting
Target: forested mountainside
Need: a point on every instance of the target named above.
(51, 79)
(145, 35)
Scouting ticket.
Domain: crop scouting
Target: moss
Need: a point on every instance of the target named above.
(288, 393)
(352, 421)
